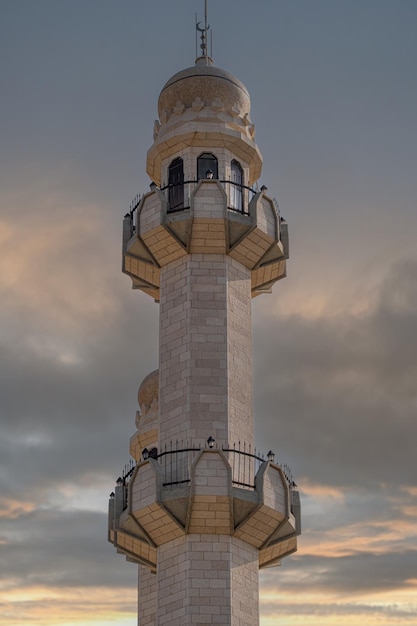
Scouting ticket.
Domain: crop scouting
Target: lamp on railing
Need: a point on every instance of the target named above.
(145, 454)
(153, 453)
(271, 456)
(152, 185)
(264, 188)
(210, 442)
(119, 482)
(112, 495)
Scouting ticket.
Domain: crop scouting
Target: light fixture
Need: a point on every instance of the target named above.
(112, 495)
(209, 174)
(119, 481)
(264, 188)
(210, 442)
(153, 453)
(271, 456)
(145, 454)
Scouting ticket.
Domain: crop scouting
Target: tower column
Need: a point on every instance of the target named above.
(205, 350)
(147, 596)
(200, 508)
(208, 579)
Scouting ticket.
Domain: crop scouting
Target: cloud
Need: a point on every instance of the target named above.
(357, 574)
(77, 342)
(60, 549)
(335, 613)
(49, 606)
(70, 354)
(53, 281)
(71, 361)
(335, 364)
(339, 392)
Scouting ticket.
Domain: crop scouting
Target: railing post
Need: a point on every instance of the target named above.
(111, 513)
(127, 229)
(119, 499)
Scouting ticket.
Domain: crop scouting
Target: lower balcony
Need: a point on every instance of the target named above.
(191, 490)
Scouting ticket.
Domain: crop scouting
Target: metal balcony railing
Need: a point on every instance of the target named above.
(178, 198)
(176, 460)
(238, 195)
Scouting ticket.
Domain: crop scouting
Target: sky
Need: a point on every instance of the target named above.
(333, 86)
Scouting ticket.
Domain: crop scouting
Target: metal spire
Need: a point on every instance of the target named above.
(204, 34)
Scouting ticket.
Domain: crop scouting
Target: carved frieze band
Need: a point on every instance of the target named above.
(197, 105)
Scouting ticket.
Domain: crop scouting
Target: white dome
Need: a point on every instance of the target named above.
(206, 83)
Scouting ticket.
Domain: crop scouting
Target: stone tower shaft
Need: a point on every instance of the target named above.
(205, 337)
(201, 511)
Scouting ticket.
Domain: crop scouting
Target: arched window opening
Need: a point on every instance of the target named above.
(236, 180)
(176, 185)
(207, 166)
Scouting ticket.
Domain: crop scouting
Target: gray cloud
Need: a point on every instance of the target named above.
(359, 573)
(335, 392)
(62, 549)
(340, 393)
(339, 390)
(391, 611)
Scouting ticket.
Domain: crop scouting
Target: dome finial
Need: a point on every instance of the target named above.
(204, 37)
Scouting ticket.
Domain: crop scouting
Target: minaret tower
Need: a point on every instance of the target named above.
(200, 510)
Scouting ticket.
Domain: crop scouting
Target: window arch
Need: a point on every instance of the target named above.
(207, 166)
(176, 185)
(236, 191)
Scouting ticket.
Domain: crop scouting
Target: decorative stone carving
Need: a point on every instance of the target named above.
(217, 105)
(197, 104)
(179, 108)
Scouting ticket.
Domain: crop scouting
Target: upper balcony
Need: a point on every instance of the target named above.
(205, 216)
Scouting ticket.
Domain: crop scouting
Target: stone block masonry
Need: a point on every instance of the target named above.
(205, 350)
(207, 580)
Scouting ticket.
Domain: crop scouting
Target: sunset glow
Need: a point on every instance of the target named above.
(334, 96)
